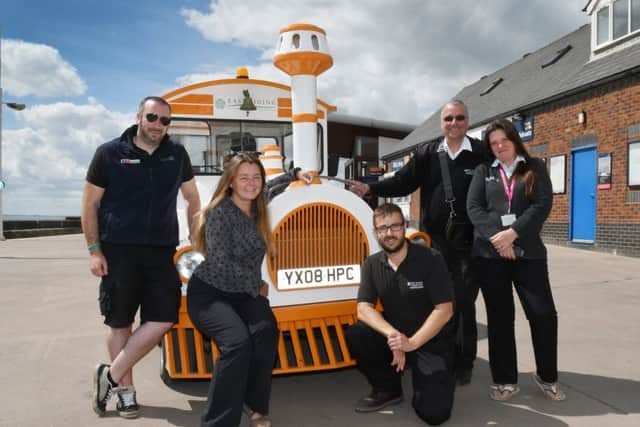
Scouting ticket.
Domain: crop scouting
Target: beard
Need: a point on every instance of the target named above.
(148, 138)
(391, 245)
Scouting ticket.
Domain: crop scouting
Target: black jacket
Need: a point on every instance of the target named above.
(140, 190)
(423, 170)
(487, 202)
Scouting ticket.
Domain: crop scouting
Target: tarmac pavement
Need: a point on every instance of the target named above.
(53, 336)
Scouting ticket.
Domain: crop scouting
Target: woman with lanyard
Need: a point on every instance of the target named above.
(509, 199)
(226, 298)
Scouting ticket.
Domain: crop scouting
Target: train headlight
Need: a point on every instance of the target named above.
(186, 260)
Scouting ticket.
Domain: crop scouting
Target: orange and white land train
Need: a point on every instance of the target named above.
(322, 232)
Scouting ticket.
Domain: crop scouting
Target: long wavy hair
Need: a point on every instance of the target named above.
(258, 205)
(523, 170)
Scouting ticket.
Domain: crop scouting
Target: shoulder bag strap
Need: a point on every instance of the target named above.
(446, 182)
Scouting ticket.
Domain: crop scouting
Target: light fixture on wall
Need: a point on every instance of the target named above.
(582, 117)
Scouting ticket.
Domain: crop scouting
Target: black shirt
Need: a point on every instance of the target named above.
(410, 293)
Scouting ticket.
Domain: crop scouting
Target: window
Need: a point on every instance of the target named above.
(635, 15)
(616, 20)
(557, 173)
(604, 171)
(633, 168)
(209, 141)
(603, 25)
(620, 18)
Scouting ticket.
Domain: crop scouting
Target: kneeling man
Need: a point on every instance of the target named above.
(413, 285)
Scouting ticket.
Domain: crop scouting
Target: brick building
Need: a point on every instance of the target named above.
(576, 103)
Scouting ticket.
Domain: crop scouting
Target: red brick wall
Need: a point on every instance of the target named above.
(610, 111)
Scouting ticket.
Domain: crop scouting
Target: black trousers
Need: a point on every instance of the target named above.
(246, 333)
(433, 380)
(531, 281)
(466, 288)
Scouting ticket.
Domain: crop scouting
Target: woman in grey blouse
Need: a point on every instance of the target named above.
(224, 297)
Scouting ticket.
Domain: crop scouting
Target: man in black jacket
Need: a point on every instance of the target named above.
(130, 224)
(423, 170)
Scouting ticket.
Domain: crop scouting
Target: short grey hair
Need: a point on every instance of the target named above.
(458, 103)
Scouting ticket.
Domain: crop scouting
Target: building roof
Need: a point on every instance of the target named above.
(554, 71)
(368, 122)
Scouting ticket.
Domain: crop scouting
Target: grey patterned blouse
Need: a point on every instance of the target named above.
(234, 251)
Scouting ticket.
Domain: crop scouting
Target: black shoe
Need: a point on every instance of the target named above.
(102, 389)
(127, 405)
(378, 400)
(463, 376)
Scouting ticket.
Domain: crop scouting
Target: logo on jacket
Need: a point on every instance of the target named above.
(415, 285)
(169, 158)
(129, 161)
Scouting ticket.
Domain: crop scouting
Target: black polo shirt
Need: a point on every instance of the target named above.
(139, 202)
(409, 294)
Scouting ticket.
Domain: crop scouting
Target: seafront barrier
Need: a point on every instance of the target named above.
(15, 229)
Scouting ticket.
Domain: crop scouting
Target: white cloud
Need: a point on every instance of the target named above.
(395, 61)
(45, 161)
(39, 70)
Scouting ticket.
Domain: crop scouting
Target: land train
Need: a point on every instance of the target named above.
(322, 231)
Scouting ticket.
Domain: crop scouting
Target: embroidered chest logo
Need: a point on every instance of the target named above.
(415, 285)
(129, 161)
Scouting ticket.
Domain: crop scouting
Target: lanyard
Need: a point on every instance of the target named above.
(508, 186)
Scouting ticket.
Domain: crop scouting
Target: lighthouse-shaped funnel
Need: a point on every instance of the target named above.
(303, 53)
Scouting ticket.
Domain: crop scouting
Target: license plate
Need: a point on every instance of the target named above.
(318, 277)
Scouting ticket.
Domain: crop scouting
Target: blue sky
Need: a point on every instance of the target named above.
(122, 49)
(82, 66)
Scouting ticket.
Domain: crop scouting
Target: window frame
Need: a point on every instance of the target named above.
(629, 32)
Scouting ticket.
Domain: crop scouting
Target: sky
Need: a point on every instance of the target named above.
(82, 66)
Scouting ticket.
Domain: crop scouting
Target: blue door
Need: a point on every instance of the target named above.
(583, 195)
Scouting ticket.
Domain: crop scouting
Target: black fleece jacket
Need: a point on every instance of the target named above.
(423, 170)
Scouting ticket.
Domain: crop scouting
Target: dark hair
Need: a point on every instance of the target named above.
(387, 209)
(154, 99)
(523, 169)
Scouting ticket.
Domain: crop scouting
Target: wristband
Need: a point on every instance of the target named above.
(93, 246)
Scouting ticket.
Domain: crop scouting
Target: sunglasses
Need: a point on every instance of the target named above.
(459, 118)
(153, 117)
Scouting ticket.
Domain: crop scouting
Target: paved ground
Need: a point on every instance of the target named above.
(52, 337)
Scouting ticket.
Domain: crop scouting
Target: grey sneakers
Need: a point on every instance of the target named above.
(102, 389)
(127, 405)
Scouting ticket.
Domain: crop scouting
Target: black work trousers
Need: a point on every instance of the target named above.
(531, 281)
(466, 288)
(433, 380)
(245, 331)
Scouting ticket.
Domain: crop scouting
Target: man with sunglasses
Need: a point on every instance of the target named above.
(131, 227)
(413, 285)
(423, 171)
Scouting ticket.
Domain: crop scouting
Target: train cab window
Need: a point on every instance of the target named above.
(194, 136)
(209, 141)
